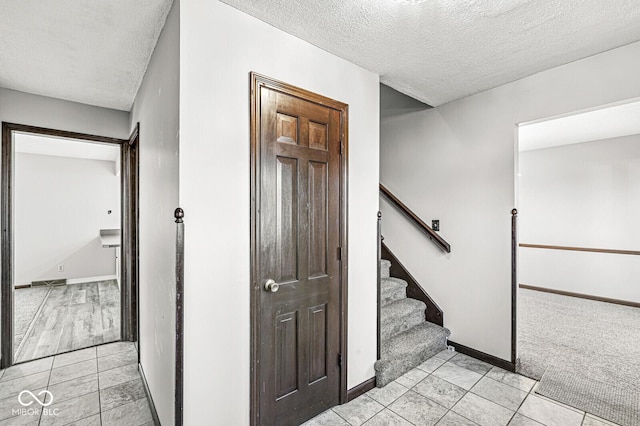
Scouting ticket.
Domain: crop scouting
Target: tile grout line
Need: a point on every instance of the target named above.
(522, 403)
(410, 389)
(52, 367)
(558, 403)
(497, 403)
(448, 409)
(48, 384)
(24, 376)
(435, 402)
(466, 391)
(332, 409)
(386, 407)
(498, 381)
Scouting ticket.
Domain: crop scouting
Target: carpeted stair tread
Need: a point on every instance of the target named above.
(409, 349)
(385, 266)
(392, 289)
(400, 316)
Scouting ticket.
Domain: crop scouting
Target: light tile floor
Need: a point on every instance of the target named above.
(90, 387)
(454, 389)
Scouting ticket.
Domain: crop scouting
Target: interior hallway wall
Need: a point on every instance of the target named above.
(156, 109)
(41, 111)
(582, 195)
(456, 163)
(220, 46)
(23, 108)
(60, 206)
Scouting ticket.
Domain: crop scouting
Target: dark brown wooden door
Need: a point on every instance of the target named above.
(298, 244)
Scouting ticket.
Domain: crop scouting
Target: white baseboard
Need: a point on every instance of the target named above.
(91, 279)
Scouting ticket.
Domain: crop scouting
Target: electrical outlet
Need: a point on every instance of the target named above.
(60, 268)
(435, 225)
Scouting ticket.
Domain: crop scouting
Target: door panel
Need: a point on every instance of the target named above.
(287, 218)
(318, 136)
(286, 354)
(317, 219)
(317, 343)
(298, 236)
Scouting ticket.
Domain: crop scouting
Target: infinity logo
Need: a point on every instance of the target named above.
(44, 401)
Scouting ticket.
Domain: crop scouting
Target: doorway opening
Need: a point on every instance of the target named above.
(69, 215)
(578, 195)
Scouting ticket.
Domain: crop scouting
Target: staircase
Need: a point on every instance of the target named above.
(406, 339)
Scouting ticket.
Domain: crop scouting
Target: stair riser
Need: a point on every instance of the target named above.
(392, 296)
(384, 269)
(406, 339)
(390, 327)
(387, 372)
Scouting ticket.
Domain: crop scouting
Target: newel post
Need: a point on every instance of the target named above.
(514, 283)
(179, 407)
(379, 279)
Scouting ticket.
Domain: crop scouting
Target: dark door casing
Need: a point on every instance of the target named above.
(129, 207)
(298, 284)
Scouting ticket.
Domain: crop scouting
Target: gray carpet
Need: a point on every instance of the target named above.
(599, 340)
(587, 353)
(610, 402)
(27, 301)
(406, 339)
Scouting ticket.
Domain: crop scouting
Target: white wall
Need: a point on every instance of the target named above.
(219, 47)
(156, 108)
(582, 195)
(33, 110)
(60, 206)
(456, 163)
(23, 108)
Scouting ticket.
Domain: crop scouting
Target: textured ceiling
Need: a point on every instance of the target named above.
(89, 51)
(603, 123)
(442, 50)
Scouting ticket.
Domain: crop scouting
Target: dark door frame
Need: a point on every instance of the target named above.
(257, 82)
(129, 226)
(130, 178)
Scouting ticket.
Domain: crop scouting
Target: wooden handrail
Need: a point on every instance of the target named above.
(426, 229)
(592, 250)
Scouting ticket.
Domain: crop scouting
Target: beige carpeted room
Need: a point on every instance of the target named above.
(579, 302)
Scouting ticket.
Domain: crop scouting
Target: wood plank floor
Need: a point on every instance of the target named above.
(72, 317)
(30, 301)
